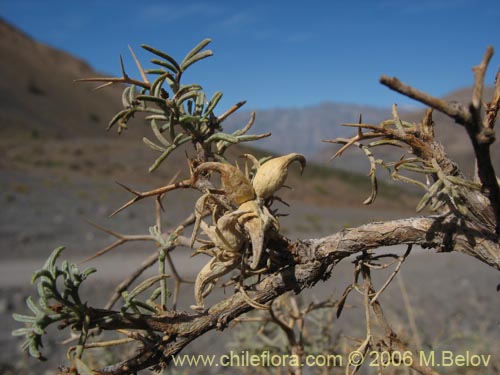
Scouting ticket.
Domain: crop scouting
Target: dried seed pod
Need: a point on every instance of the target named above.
(271, 175)
(207, 278)
(256, 224)
(205, 203)
(225, 235)
(236, 185)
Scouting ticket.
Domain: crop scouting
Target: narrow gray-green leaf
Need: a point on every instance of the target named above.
(163, 55)
(200, 103)
(155, 71)
(165, 65)
(126, 97)
(198, 48)
(157, 133)
(428, 196)
(202, 55)
(23, 319)
(150, 98)
(213, 103)
(222, 137)
(153, 145)
(161, 158)
(25, 331)
(146, 284)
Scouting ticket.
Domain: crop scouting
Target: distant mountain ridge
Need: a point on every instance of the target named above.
(302, 129)
(38, 96)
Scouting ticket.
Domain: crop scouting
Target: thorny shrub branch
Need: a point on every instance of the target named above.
(236, 225)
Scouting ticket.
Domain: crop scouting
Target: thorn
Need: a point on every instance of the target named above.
(158, 199)
(136, 193)
(103, 86)
(123, 68)
(128, 204)
(281, 200)
(103, 251)
(139, 66)
(101, 228)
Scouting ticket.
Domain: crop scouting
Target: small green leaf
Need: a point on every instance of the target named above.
(186, 119)
(87, 273)
(23, 319)
(212, 104)
(165, 65)
(33, 307)
(41, 274)
(155, 71)
(22, 331)
(131, 94)
(200, 56)
(122, 114)
(200, 103)
(157, 133)
(198, 48)
(222, 137)
(50, 263)
(186, 96)
(428, 196)
(163, 55)
(146, 284)
(150, 98)
(156, 86)
(126, 97)
(188, 89)
(153, 145)
(34, 351)
(178, 140)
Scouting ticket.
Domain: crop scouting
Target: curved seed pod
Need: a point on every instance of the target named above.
(199, 207)
(237, 187)
(225, 235)
(256, 224)
(271, 176)
(207, 278)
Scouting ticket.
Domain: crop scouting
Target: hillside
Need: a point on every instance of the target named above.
(38, 96)
(40, 100)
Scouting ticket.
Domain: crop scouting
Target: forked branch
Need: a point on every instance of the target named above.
(480, 131)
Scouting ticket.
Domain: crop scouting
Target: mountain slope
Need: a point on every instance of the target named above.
(38, 95)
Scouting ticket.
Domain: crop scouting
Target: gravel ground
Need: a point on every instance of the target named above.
(453, 296)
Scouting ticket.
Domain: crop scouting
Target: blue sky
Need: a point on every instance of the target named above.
(281, 53)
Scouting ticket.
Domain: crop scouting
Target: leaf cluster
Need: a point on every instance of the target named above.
(56, 303)
(422, 164)
(177, 113)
